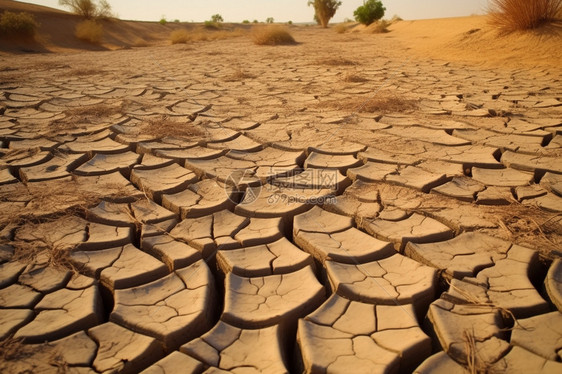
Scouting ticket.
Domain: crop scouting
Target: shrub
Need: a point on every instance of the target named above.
(212, 25)
(89, 8)
(369, 12)
(269, 20)
(324, 10)
(217, 18)
(272, 35)
(512, 15)
(176, 21)
(340, 28)
(163, 20)
(255, 21)
(379, 27)
(179, 36)
(90, 31)
(245, 21)
(17, 24)
(290, 23)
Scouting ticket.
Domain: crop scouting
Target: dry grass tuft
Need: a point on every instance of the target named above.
(41, 200)
(162, 127)
(184, 36)
(354, 78)
(514, 15)
(239, 75)
(379, 27)
(336, 61)
(89, 31)
(13, 349)
(272, 35)
(380, 104)
(340, 28)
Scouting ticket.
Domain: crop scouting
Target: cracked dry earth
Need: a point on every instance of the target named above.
(220, 207)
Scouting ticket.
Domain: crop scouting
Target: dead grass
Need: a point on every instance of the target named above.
(165, 127)
(13, 349)
(42, 200)
(239, 75)
(514, 15)
(272, 35)
(380, 104)
(336, 61)
(379, 27)
(90, 31)
(354, 78)
(184, 36)
(81, 117)
(340, 28)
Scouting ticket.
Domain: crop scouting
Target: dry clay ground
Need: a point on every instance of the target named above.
(337, 205)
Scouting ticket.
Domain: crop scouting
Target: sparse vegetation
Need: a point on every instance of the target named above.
(246, 21)
(369, 12)
(340, 28)
(290, 23)
(184, 36)
(336, 61)
(354, 78)
(89, 8)
(272, 35)
(269, 20)
(379, 27)
(163, 21)
(217, 18)
(212, 25)
(513, 15)
(162, 127)
(90, 31)
(382, 103)
(324, 10)
(17, 24)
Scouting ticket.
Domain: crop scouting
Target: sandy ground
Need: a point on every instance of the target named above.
(230, 206)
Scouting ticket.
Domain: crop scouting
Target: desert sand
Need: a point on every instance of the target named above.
(353, 202)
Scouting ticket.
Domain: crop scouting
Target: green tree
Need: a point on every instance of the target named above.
(88, 8)
(217, 18)
(324, 10)
(369, 12)
(269, 20)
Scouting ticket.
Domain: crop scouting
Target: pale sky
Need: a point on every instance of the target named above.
(280, 10)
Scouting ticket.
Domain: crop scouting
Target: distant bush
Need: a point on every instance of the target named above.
(217, 18)
(89, 31)
(255, 21)
(290, 23)
(340, 28)
(369, 12)
(324, 10)
(272, 35)
(89, 8)
(245, 21)
(269, 20)
(379, 27)
(176, 21)
(179, 36)
(512, 15)
(17, 24)
(212, 25)
(163, 20)
(396, 18)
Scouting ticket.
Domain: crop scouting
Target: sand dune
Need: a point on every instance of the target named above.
(469, 39)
